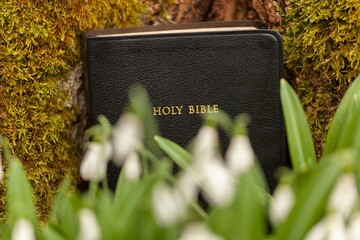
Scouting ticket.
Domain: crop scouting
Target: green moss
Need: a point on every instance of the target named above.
(322, 47)
(40, 43)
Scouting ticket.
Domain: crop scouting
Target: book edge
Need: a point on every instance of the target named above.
(142, 30)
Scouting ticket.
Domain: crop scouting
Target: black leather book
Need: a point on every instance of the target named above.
(232, 66)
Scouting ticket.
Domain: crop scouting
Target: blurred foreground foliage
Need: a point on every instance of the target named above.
(313, 200)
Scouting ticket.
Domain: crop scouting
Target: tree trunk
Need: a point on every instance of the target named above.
(227, 10)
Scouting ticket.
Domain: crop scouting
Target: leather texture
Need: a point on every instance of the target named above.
(238, 70)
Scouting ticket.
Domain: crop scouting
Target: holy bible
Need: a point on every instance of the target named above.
(189, 70)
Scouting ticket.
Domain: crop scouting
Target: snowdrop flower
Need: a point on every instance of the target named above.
(344, 196)
(168, 205)
(188, 184)
(132, 167)
(240, 155)
(23, 230)
(198, 231)
(318, 232)
(281, 204)
(218, 183)
(332, 227)
(89, 227)
(354, 227)
(206, 144)
(93, 166)
(127, 137)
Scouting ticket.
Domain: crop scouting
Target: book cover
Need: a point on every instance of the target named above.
(197, 68)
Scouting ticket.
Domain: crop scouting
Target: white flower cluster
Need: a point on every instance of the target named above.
(210, 173)
(342, 221)
(121, 149)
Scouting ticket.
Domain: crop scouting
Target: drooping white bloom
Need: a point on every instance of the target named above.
(23, 230)
(169, 206)
(354, 227)
(218, 183)
(332, 227)
(89, 227)
(281, 203)
(198, 231)
(127, 137)
(206, 144)
(318, 232)
(132, 167)
(344, 196)
(336, 227)
(188, 184)
(93, 166)
(240, 155)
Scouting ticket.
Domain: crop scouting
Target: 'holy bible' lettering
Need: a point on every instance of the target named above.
(189, 109)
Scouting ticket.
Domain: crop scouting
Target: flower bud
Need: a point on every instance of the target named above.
(132, 167)
(23, 230)
(127, 137)
(168, 205)
(206, 144)
(344, 196)
(89, 227)
(218, 183)
(281, 204)
(93, 166)
(198, 231)
(240, 155)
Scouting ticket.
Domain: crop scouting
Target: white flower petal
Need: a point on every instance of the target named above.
(318, 232)
(198, 231)
(240, 155)
(354, 227)
(332, 227)
(89, 227)
(281, 204)
(93, 166)
(168, 205)
(132, 167)
(188, 184)
(206, 143)
(336, 227)
(218, 183)
(344, 196)
(127, 137)
(23, 230)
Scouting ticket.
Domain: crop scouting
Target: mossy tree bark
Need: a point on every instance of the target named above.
(227, 10)
(40, 84)
(321, 40)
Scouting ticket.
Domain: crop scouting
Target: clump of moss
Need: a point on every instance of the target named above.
(39, 45)
(322, 48)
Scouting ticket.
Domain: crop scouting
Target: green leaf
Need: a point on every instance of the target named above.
(344, 129)
(55, 213)
(301, 145)
(178, 154)
(20, 202)
(52, 233)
